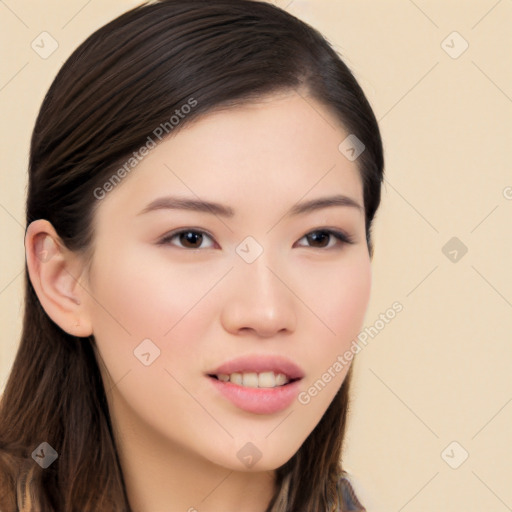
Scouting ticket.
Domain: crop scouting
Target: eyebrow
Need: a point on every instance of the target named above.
(198, 205)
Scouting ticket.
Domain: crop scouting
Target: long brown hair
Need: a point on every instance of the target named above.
(114, 90)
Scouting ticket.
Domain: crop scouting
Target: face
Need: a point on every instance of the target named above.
(176, 293)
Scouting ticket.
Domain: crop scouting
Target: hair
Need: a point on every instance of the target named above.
(116, 88)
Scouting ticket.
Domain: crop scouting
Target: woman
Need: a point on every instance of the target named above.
(203, 179)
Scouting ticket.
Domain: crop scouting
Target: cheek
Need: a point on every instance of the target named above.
(340, 300)
(341, 295)
(136, 300)
(148, 297)
(134, 303)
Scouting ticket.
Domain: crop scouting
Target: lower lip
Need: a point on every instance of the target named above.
(258, 400)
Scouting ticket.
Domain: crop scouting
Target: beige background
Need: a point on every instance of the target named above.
(440, 370)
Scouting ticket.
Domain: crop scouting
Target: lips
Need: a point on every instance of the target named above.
(260, 364)
(258, 400)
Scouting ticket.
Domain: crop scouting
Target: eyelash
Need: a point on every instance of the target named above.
(343, 238)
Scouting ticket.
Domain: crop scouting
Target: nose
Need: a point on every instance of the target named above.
(260, 300)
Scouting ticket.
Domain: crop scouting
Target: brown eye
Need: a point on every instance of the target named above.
(188, 239)
(320, 238)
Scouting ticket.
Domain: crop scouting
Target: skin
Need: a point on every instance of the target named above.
(177, 437)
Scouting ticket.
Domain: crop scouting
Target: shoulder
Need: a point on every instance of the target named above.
(347, 496)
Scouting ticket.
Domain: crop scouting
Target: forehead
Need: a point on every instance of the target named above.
(263, 155)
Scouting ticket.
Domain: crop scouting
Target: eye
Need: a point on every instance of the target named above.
(322, 235)
(192, 238)
(189, 238)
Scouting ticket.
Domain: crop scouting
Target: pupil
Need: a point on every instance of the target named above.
(318, 234)
(191, 237)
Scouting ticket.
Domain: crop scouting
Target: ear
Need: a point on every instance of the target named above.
(57, 277)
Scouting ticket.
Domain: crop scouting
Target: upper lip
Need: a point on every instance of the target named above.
(260, 363)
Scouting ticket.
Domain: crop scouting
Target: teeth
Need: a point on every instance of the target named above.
(281, 379)
(268, 380)
(255, 380)
(250, 380)
(236, 378)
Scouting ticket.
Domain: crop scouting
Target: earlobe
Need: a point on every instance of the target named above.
(55, 273)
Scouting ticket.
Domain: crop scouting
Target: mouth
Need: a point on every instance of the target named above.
(267, 379)
(259, 383)
(258, 371)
